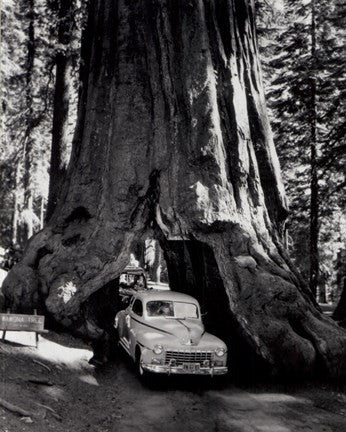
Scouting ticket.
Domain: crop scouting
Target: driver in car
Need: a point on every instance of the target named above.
(160, 308)
(165, 310)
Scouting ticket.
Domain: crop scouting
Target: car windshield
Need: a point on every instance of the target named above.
(166, 308)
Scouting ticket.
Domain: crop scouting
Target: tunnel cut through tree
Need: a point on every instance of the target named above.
(173, 136)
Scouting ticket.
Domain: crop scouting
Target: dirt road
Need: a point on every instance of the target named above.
(74, 397)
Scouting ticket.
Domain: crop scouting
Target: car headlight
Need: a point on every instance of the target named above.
(158, 349)
(220, 352)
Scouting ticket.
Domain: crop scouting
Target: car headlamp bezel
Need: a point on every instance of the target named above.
(158, 349)
(220, 352)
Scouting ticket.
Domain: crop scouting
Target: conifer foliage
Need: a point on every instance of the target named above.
(36, 35)
(303, 47)
(26, 117)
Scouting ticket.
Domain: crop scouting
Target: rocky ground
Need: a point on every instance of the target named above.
(59, 391)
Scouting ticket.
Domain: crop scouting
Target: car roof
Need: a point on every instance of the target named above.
(153, 294)
(133, 269)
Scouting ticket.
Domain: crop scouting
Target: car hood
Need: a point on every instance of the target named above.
(188, 332)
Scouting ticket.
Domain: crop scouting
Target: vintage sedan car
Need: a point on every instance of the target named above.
(162, 331)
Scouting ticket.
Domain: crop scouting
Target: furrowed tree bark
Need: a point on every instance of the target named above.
(59, 149)
(173, 137)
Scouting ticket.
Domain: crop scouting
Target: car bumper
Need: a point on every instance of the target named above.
(179, 370)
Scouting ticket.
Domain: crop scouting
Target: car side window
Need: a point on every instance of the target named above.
(137, 307)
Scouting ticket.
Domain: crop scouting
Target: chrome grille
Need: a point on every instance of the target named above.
(182, 356)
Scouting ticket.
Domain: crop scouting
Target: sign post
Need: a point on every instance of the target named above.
(22, 322)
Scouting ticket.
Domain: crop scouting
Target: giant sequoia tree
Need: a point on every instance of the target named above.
(173, 137)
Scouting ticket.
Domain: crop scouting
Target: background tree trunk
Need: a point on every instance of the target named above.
(173, 136)
(314, 198)
(42, 212)
(14, 233)
(28, 146)
(153, 260)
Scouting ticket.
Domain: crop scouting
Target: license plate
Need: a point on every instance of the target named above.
(191, 367)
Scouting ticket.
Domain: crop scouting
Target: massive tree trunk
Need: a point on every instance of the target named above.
(173, 136)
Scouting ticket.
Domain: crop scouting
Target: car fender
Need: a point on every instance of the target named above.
(146, 352)
(142, 340)
(212, 340)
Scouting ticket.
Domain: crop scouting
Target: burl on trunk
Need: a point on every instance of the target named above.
(173, 136)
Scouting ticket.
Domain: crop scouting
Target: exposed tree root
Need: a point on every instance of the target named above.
(15, 409)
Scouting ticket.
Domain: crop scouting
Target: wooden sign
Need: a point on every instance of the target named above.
(21, 322)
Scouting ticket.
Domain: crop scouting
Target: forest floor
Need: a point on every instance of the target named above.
(61, 392)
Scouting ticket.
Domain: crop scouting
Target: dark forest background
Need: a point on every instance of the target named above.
(302, 46)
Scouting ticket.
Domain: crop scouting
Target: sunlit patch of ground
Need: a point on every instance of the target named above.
(49, 350)
(64, 393)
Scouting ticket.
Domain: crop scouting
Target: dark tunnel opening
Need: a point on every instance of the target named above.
(192, 269)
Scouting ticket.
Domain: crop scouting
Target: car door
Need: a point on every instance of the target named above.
(136, 314)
